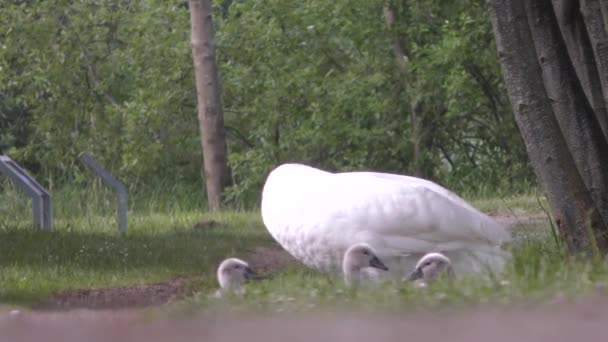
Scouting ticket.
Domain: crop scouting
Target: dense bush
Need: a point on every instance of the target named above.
(312, 82)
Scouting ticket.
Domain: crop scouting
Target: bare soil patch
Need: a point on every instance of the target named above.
(263, 260)
(270, 259)
(513, 219)
(117, 297)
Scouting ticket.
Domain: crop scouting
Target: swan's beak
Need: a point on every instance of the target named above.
(251, 275)
(417, 274)
(377, 263)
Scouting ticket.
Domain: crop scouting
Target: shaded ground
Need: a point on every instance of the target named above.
(117, 297)
(263, 259)
(564, 321)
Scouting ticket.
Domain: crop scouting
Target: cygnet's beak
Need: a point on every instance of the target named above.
(377, 263)
(417, 274)
(251, 275)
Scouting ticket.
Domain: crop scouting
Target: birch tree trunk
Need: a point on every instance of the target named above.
(215, 169)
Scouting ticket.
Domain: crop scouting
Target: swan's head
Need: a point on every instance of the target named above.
(357, 257)
(432, 266)
(233, 272)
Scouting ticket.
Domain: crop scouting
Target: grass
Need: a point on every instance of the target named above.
(537, 273)
(511, 205)
(86, 251)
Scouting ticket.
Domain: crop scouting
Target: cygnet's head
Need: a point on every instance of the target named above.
(233, 272)
(432, 266)
(357, 257)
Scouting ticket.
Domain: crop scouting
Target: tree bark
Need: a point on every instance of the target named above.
(598, 35)
(576, 119)
(604, 7)
(215, 169)
(577, 40)
(568, 197)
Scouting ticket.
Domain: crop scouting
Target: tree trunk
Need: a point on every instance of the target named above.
(398, 50)
(604, 7)
(598, 35)
(576, 119)
(211, 119)
(568, 197)
(418, 131)
(579, 45)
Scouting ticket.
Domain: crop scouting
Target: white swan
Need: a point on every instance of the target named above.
(357, 258)
(430, 267)
(316, 215)
(232, 273)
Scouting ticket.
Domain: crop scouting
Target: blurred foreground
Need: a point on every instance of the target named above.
(561, 320)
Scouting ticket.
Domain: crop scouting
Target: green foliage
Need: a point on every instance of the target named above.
(100, 76)
(317, 83)
(313, 82)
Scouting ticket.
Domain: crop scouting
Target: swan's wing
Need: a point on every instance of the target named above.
(405, 211)
(403, 179)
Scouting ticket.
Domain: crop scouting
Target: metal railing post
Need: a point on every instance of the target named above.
(121, 191)
(41, 198)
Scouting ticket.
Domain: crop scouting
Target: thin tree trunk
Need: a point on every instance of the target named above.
(398, 49)
(417, 122)
(576, 119)
(417, 139)
(577, 40)
(211, 119)
(570, 201)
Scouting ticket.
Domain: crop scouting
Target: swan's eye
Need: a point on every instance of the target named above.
(365, 253)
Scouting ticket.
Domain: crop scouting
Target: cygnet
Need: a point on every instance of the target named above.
(232, 274)
(429, 268)
(357, 258)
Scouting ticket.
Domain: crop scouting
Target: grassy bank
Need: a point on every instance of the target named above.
(167, 240)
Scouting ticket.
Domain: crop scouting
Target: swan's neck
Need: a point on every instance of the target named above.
(352, 275)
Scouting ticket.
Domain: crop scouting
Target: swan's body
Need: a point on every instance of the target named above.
(316, 215)
(232, 273)
(356, 259)
(431, 267)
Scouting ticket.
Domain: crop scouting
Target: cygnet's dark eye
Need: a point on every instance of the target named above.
(365, 253)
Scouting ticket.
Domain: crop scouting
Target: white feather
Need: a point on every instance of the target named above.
(316, 215)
